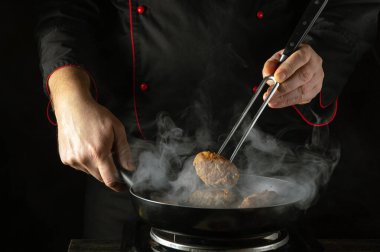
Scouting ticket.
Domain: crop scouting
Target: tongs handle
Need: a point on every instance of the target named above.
(307, 20)
(309, 16)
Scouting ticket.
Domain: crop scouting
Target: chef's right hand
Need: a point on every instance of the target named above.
(88, 133)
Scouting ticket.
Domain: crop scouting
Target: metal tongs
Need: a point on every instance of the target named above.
(307, 20)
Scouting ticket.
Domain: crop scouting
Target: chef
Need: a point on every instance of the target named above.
(110, 68)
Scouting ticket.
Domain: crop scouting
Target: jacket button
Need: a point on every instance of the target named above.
(254, 89)
(260, 14)
(140, 9)
(144, 87)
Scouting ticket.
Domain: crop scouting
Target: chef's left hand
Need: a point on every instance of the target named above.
(300, 77)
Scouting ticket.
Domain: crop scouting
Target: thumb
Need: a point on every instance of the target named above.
(270, 67)
(122, 149)
(271, 64)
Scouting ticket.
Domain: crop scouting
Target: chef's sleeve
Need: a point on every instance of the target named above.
(345, 30)
(66, 34)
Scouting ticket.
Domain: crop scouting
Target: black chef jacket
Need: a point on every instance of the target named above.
(198, 61)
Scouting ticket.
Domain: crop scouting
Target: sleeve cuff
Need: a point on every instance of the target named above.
(316, 113)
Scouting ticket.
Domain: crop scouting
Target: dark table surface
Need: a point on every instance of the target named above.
(330, 245)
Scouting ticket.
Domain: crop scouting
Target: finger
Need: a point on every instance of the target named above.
(271, 64)
(302, 76)
(109, 174)
(72, 163)
(122, 149)
(93, 171)
(79, 168)
(295, 61)
(81, 164)
(298, 96)
(292, 98)
(96, 174)
(84, 168)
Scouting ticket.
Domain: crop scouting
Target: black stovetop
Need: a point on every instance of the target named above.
(329, 245)
(137, 237)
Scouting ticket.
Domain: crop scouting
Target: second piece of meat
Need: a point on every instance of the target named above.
(212, 197)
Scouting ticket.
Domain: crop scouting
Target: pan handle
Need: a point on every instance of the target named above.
(125, 176)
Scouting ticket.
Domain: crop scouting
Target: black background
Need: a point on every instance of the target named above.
(42, 209)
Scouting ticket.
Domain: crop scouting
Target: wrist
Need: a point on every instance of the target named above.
(68, 85)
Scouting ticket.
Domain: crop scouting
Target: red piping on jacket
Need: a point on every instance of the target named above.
(134, 68)
(48, 114)
(320, 124)
(48, 90)
(320, 102)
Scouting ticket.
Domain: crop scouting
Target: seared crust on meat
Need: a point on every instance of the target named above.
(215, 170)
(212, 197)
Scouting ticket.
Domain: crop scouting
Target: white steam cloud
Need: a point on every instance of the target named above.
(167, 163)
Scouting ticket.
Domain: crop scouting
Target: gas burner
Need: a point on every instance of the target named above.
(165, 241)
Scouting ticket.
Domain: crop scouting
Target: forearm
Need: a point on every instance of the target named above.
(69, 86)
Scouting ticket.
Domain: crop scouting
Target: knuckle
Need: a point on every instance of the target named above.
(109, 182)
(318, 87)
(287, 67)
(280, 99)
(288, 101)
(66, 160)
(304, 75)
(62, 157)
(284, 87)
(95, 157)
(82, 159)
(119, 126)
(301, 56)
(307, 49)
(301, 53)
(302, 90)
(96, 152)
(70, 161)
(310, 89)
(306, 46)
(322, 74)
(319, 59)
(306, 55)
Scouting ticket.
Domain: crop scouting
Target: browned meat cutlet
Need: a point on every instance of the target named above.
(261, 199)
(212, 197)
(215, 170)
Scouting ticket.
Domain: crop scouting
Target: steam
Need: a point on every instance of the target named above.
(309, 164)
(167, 163)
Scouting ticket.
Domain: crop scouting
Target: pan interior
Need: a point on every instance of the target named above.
(289, 192)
